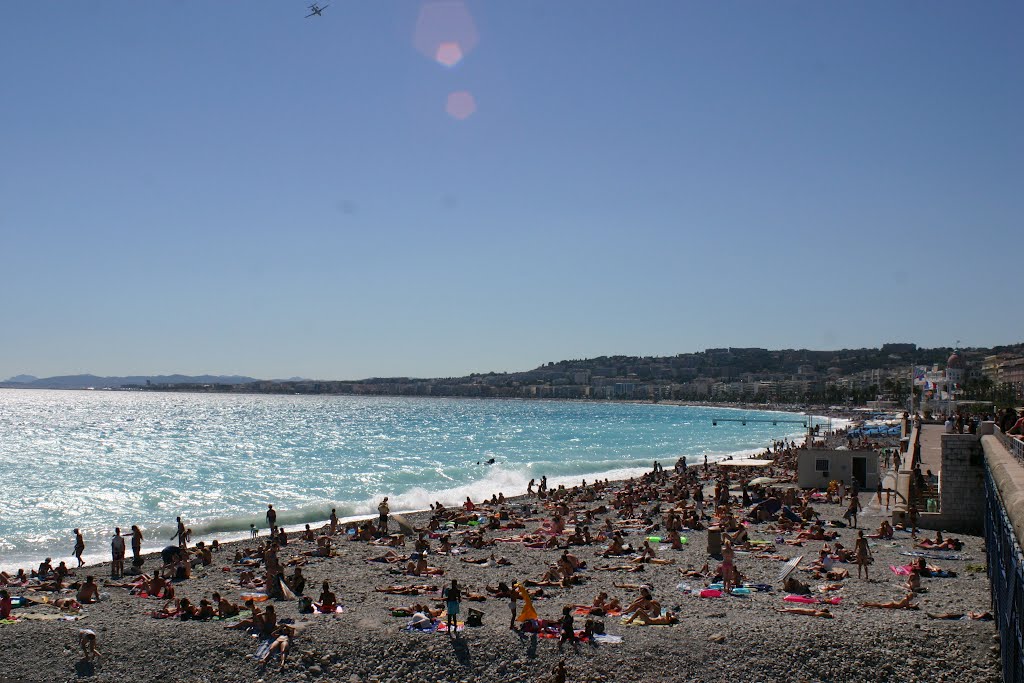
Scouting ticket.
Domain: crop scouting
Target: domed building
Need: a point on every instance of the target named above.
(954, 372)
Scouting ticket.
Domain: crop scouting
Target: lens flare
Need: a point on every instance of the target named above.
(445, 32)
(461, 105)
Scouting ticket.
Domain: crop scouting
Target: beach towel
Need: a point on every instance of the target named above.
(9, 622)
(935, 555)
(808, 600)
(710, 593)
(262, 649)
(605, 639)
(586, 612)
(903, 570)
(459, 627)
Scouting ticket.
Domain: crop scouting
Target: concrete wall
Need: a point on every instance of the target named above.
(840, 468)
(961, 487)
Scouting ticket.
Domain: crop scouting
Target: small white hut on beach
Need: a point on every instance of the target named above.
(816, 467)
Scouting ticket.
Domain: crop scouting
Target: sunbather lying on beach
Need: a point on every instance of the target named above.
(939, 543)
(255, 619)
(632, 568)
(646, 618)
(281, 646)
(407, 590)
(432, 612)
(390, 557)
(644, 601)
(973, 616)
(905, 603)
(809, 611)
(702, 573)
(421, 568)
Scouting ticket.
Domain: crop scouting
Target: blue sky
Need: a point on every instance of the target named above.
(228, 187)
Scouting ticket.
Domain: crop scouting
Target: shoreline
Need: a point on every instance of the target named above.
(367, 643)
(318, 512)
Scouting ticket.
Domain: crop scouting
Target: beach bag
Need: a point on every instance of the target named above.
(305, 605)
(594, 626)
(475, 617)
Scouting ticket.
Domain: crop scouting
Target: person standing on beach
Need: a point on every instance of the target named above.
(855, 507)
(271, 518)
(862, 553)
(383, 510)
(513, 598)
(453, 598)
(334, 521)
(117, 553)
(136, 545)
(79, 547)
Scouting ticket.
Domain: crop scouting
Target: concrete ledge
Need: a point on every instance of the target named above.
(1008, 476)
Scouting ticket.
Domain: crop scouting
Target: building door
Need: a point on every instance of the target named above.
(860, 472)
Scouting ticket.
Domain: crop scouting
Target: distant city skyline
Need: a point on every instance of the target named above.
(430, 189)
(504, 370)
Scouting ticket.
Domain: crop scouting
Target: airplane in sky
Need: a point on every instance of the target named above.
(316, 11)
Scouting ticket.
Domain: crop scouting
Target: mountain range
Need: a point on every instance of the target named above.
(95, 382)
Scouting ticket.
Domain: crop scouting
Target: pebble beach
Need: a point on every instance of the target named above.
(728, 638)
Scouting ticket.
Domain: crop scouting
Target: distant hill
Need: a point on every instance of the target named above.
(95, 382)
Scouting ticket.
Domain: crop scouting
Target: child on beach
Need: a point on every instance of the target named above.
(862, 553)
(252, 531)
(568, 634)
(87, 641)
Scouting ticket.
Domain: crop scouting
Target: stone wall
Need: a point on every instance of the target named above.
(961, 488)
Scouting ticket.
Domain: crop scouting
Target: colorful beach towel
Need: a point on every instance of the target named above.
(808, 600)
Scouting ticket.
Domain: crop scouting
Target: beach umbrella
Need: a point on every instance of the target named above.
(789, 567)
(760, 481)
(404, 525)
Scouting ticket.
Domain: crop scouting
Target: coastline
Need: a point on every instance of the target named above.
(510, 476)
(366, 643)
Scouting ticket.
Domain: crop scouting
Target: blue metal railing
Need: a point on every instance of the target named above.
(1006, 577)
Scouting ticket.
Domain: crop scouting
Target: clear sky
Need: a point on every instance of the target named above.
(431, 189)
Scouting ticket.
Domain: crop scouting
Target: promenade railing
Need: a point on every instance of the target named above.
(1006, 578)
(1014, 446)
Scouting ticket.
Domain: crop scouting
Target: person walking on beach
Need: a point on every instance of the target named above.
(271, 518)
(181, 534)
(453, 598)
(383, 510)
(334, 521)
(117, 553)
(79, 547)
(862, 553)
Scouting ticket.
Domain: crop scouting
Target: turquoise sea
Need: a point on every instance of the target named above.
(100, 459)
